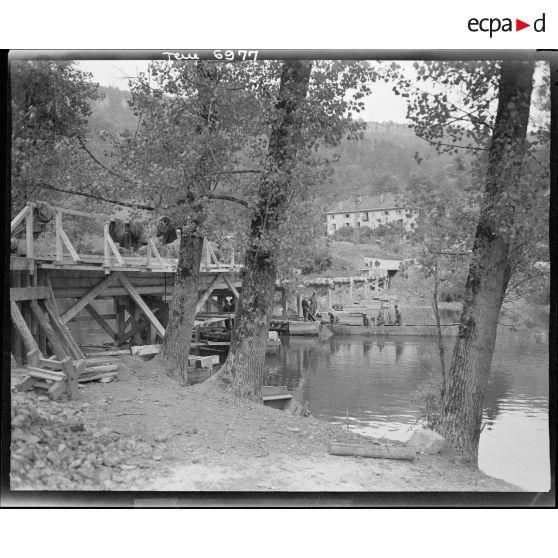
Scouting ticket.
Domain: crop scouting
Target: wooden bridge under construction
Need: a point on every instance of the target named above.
(47, 293)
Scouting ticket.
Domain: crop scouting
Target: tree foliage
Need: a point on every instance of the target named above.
(50, 105)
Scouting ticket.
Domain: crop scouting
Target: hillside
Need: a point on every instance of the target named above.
(385, 161)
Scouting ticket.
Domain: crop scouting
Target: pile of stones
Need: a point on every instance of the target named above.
(52, 449)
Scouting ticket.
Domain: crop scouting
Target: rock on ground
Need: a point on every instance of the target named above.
(426, 441)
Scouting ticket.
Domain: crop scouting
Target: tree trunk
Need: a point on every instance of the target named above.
(178, 335)
(489, 270)
(243, 370)
(439, 336)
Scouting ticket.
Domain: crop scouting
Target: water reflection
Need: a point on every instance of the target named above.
(372, 380)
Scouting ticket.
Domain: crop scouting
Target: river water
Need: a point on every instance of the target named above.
(368, 384)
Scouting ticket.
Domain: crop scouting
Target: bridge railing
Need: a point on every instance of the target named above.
(111, 252)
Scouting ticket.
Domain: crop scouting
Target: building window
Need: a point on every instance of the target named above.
(347, 224)
(365, 216)
(399, 212)
(386, 212)
(347, 215)
(333, 227)
(358, 224)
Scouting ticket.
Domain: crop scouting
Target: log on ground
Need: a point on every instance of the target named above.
(379, 451)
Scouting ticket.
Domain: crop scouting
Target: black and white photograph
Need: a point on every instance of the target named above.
(269, 272)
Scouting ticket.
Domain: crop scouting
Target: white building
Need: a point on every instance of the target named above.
(370, 211)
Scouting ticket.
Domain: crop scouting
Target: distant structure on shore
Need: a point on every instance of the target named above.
(370, 211)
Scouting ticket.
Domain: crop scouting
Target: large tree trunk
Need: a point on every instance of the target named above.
(176, 344)
(243, 371)
(178, 336)
(489, 271)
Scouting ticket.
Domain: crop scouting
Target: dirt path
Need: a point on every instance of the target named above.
(201, 438)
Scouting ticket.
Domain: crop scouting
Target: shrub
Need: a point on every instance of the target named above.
(427, 398)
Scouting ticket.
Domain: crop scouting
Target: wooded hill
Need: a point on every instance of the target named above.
(386, 160)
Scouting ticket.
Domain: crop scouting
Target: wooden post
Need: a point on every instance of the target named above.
(25, 310)
(22, 329)
(106, 249)
(57, 346)
(137, 317)
(63, 332)
(58, 222)
(298, 306)
(71, 376)
(29, 233)
(16, 341)
(351, 290)
(119, 310)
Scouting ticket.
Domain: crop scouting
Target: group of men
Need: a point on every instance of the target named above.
(310, 308)
(380, 318)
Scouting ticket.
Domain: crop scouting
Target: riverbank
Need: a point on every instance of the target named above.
(144, 432)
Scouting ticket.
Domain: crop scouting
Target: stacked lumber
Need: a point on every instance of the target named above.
(89, 369)
(57, 383)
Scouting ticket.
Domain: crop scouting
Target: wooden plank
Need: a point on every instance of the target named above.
(18, 219)
(144, 350)
(24, 332)
(207, 293)
(50, 364)
(57, 346)
(99, 319)
(85, 300)
(44, 374)
(51, 296)
(203, 361)
(28, 293)
(141, 303)
(114, 249)
(372, 450)
(69, 245)
(268, 391)
(276, 397)
(152, 246)
(63, 331)
(115, 352)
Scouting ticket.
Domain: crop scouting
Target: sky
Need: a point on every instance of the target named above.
(382, 106)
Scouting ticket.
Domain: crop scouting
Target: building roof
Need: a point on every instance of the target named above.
(367, 203)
